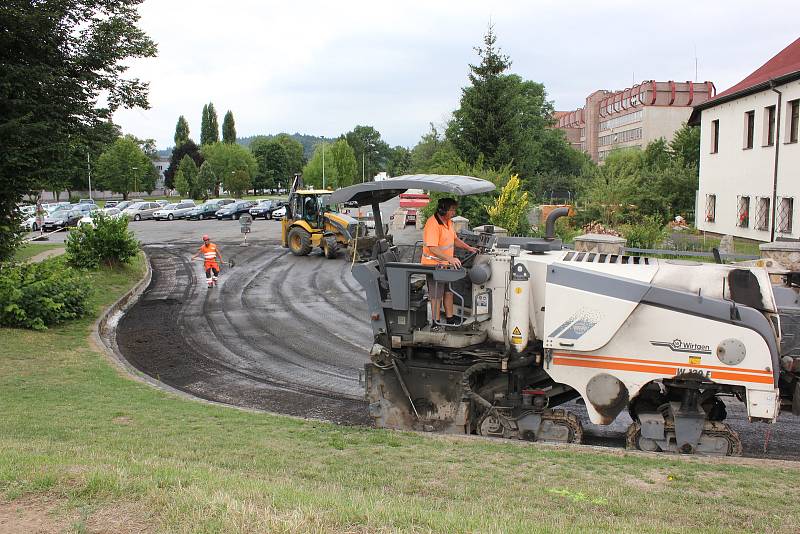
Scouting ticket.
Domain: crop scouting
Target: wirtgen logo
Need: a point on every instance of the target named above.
(679, 345)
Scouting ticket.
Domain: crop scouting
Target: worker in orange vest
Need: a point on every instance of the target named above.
(210, 253)
(439, 244)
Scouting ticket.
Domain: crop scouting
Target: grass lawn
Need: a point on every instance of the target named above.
(82, 445)
(29, 250)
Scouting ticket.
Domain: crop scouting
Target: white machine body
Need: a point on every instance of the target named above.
(607, 336)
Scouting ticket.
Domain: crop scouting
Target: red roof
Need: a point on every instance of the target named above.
(785, 62)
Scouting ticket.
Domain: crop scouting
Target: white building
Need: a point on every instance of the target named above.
(749, 153)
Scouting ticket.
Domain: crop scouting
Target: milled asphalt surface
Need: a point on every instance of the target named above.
(290, 335)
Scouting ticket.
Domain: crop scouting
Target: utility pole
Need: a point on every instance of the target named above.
(362, 168)
(323, 165)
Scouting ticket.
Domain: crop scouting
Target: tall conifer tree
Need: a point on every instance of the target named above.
(181, 131)
(228, 128)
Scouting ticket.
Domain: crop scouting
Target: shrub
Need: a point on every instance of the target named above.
(510, 209)
(647, 234)
(38, 295)
(109, 243)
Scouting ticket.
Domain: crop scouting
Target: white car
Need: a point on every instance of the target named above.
(31, 224)
(178, 210)
(114, 213)
(279, 213)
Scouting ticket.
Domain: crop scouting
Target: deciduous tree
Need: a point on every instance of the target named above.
(225, 159)
(125, 168)
(369, 150)
(58, 59)
(273, 163)
(340, 165)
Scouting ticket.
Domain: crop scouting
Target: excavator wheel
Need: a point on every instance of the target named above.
(299, 241)
(330, 247)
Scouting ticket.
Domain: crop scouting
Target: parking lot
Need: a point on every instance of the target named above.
(228, 231)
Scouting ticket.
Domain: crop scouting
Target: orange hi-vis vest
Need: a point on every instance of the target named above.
(437, 235)
(209, 254)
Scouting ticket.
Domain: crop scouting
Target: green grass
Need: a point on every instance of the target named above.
(75, 431)
(29, 250)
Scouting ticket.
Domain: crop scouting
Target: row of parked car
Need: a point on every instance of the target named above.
(63, 214)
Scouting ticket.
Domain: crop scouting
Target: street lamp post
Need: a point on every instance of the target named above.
(135, 181)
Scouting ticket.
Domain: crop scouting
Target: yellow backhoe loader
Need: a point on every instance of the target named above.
(311, 222)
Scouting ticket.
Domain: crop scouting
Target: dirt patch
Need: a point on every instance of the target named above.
(44, 515)
(33, 515)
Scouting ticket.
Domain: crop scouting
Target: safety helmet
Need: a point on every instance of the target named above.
(205, 237)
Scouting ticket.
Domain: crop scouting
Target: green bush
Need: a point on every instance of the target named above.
(38, 295)
(109, 243)
(647, 234)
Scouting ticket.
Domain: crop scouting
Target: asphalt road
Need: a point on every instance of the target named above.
(290, 334)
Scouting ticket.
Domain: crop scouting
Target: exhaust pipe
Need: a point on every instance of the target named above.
(550, 222)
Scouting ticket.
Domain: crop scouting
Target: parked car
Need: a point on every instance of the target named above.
(112, 212)
(86, 201)
(265, 208)
(27, 209)
(124, 204)
(62, 219)
(31, 224)
(163, 202)
(178, 210)
(50, 207)
(139, 211)
(111, 203)
(206, 210)
(411, 216)
(279, 213)
(235, 209)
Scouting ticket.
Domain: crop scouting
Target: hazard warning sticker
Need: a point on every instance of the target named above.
(516, 336)
(694, 360)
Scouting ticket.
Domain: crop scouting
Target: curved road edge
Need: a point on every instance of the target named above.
(104, 337)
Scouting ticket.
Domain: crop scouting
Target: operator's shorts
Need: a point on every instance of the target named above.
(212, 268)
(435, 289)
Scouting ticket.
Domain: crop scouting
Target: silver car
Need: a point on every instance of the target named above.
(141, 210)
(178, 210)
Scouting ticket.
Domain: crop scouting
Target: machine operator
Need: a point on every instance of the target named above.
(210, 253)
(439, 244)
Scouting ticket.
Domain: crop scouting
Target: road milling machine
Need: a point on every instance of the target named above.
(311, 222)
(539, 326)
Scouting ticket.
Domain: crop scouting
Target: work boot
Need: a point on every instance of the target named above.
(452, 321)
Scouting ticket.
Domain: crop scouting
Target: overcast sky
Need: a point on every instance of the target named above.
(322, 67)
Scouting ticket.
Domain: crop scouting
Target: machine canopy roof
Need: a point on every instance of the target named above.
(370, 192)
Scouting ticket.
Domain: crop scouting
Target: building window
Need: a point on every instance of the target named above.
(785, 209)
(762, 214)
(715, 136)
(620, 137)
(793, 117)
(711, 208)
(743, 212)
(616, 122)
(749, 128)
(769, 125)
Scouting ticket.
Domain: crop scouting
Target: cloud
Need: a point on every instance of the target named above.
(323, 67)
